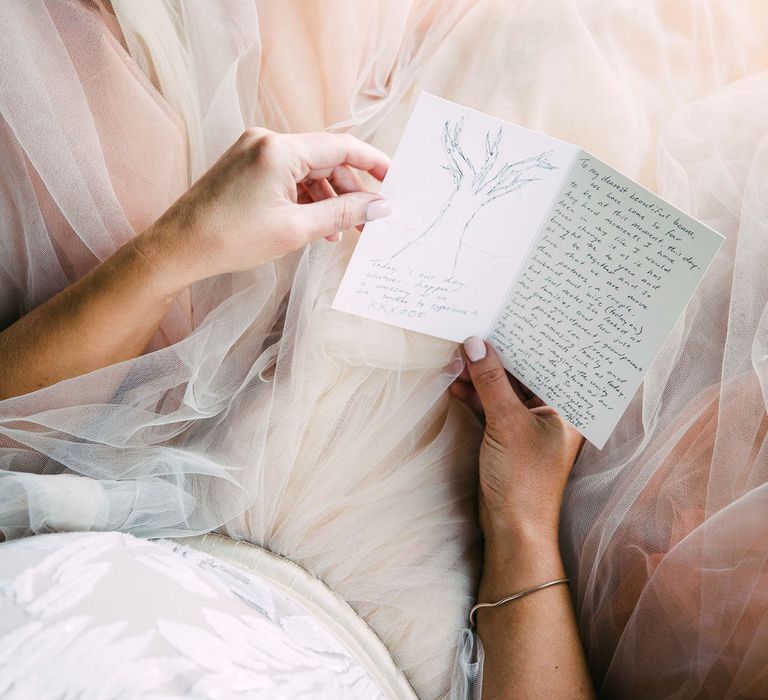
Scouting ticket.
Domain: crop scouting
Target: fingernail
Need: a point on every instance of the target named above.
(334, 237)
(378, 210)
(475, 348)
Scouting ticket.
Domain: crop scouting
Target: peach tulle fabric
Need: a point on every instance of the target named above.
(330, 439)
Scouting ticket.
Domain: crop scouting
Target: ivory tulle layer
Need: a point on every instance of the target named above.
(330, 439)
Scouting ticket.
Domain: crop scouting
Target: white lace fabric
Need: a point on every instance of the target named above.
(330, 439)
(107, 615)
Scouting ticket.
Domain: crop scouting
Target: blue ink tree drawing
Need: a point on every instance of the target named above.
(474, 188)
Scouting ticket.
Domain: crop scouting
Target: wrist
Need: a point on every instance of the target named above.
(505, 529)
(517, 559)
(162, 260)
(520, 544)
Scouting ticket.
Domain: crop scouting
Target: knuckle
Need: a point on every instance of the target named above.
(490, 376)
(344, 215)
(268, 144)
(251, 135)
(265, 145)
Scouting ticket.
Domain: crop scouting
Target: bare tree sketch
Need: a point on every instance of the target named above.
(474, 188)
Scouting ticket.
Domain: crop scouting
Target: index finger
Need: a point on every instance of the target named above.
(321, 152)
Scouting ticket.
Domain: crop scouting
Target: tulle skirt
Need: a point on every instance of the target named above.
(329, 439)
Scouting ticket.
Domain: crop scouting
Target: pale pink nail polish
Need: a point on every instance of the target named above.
(378, 210)
(475, 348)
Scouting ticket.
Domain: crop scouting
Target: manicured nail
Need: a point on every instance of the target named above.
(378, 210)
(475, 348)
(334, 237)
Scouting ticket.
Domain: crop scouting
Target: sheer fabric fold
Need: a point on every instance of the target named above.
(259, 411)
(467, 678)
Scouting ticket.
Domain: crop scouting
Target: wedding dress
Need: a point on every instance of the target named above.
(189, 625)
(330, 439)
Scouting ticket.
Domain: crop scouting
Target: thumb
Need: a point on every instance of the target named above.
(491, 382)
(336, 214)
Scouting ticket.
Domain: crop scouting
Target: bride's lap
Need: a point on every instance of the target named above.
(366, 474)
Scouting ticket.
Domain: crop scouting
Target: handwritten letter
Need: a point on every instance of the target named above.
(574, 272)
(607, 278)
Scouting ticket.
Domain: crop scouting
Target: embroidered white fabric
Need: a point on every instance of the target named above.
(108, 616)
(330, 439)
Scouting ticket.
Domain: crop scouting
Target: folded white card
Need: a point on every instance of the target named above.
(574, 272)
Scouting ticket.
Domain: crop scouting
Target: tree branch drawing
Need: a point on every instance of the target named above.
(474, 187)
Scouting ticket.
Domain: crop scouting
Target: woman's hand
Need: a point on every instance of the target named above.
(531, 645)
(527, 453)
(268, 195)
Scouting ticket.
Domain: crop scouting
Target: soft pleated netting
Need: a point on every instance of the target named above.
(259, 411)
